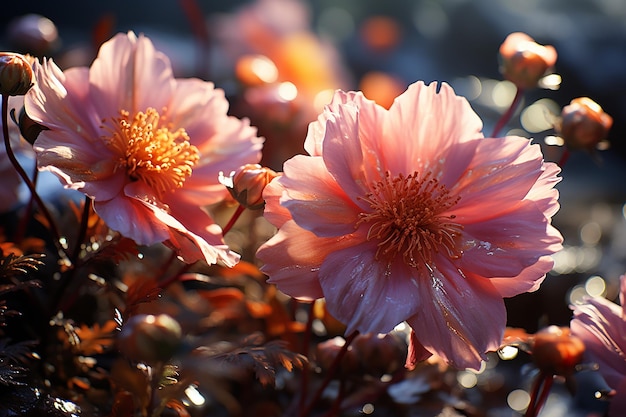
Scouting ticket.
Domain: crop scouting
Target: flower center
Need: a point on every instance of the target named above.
(154, 154)
(407, 219)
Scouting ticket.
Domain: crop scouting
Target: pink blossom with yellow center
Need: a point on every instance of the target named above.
(147, 147)
(410, 215)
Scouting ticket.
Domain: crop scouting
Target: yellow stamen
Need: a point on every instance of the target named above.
(151, 153)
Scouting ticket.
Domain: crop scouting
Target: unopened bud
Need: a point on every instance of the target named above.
(150, 339)
(583, 124)
(523, 61)
(247, 183)
(556, 351)
(380, 354)
(326, 354)
(16, 74)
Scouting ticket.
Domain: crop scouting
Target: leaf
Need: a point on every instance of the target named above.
(264, 359)
(12, 264)
(19, 352)
(8, 373)
(141, 291)
(96, 339)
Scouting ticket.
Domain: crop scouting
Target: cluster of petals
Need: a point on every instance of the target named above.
(145, 146)
(411, 215)
(601, 325)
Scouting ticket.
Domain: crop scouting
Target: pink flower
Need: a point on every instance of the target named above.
(601, 325)
(145, 146)
(409, 214)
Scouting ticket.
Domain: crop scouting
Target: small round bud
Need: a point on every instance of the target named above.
(247, 183)
(583, 124)
(16, 74)
(327, 351)
(523, 61)
(380, 354)
(150, 339)
(556, 351)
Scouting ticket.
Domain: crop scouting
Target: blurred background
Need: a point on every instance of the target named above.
(279, 61)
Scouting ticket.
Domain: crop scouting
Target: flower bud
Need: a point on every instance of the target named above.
(523, 61)
(150, 339)
(556, 351)
(247, 183)
(16, 74)
(380, 354)
(583, 124)
(327, 351)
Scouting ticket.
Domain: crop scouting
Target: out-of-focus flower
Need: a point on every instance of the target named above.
(523, 61)
(411, 215)
(583, 124)
(33, 33)
(601, 325)
(284, 68)
(247, 183)
(16, 74)
(145, 146)
(149, 339)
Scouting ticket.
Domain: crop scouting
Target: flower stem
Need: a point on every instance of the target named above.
(564, 157)
(539, 395)
(330, 375)
(504, 119)
(56, 236)
(306, 340)
(28, 211)
(198, 25)
(233, 219)
(82, 232)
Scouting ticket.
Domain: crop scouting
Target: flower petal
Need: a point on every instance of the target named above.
(314, 199)
(370, 296)
(423, 122)
(503, 246)
(292, 260)
(460, 318)
(130, 64)
(598, 322)
(528, 280)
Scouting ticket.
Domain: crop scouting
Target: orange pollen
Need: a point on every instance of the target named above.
(151, 152)
(407, 218)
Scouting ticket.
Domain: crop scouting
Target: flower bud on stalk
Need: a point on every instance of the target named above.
(583, 124)
(150, 339)
(523, 61)
(556, 351)
(247, 183)
(16, 74)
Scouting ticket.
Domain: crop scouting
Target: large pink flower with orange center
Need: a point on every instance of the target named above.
(148, 148)
(409, 214)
